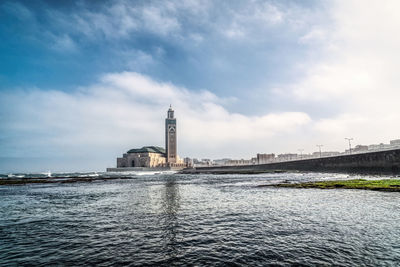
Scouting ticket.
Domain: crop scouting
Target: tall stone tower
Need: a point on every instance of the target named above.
(170, 136)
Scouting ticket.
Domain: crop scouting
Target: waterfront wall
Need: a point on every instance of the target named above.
(383, 162)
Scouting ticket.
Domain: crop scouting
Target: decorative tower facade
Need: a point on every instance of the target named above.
(170, 137)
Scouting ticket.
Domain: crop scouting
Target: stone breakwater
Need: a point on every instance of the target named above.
(382, 162)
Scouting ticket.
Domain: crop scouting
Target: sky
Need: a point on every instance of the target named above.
(82, 82)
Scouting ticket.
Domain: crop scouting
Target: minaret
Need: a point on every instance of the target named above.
(170, 136)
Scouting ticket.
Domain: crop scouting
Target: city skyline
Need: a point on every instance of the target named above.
(81, 81)
(270, 156)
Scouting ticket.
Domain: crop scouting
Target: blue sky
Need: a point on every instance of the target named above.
(222, 47)
(83, 81)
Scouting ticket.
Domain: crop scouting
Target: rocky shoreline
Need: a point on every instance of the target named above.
(62, 180)
(390, 185)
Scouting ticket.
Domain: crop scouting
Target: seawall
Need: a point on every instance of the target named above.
(382, 162)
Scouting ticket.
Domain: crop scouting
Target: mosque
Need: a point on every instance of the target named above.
(154, 156)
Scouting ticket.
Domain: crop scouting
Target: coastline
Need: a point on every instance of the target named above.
(60, 180)
(387, 184)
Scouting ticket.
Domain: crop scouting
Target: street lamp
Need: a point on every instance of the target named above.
(349, 139)
(320, 154)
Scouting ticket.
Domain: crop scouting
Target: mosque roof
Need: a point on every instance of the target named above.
(148, 149)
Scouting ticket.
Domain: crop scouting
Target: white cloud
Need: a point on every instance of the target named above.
(119, 20)
(155, 21)
(127, 110)
(63, 43)
(18, 10)
(269, 13)
(184, 25)
(357, 72)
(317, 34)
(251, 20)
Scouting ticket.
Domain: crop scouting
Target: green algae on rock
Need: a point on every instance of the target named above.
(378, 185)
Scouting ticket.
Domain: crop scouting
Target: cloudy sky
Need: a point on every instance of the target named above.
(81, 82)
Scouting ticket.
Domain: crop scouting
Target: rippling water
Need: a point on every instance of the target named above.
(171, 219)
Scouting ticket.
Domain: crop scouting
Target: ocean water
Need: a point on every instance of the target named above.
(167, 219)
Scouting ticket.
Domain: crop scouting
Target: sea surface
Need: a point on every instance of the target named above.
(168, 219)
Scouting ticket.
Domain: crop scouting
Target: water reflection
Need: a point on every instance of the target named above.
(205, 220)
(169, 220)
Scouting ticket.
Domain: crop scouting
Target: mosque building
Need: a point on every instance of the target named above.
(154, 156)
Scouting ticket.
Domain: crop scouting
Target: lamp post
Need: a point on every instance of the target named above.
(349, 139)
(320, 153)
(301, 153)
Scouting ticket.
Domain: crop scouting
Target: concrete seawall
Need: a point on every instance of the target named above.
(383, 162)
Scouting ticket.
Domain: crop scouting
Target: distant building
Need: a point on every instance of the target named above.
(287, 156)
(207, 162)
(360, 148)
(188, 162)
(221, 161)
(265, 158)
(170, 136)
(325, 154)
(147, 156)
(154, 156)
(395, 142)
(377, 146)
